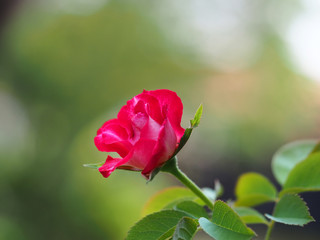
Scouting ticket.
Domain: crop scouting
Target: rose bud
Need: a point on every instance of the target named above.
(145, 133)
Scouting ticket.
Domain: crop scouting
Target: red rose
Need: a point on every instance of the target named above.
(145, 133)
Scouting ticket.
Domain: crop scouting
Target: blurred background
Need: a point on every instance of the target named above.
(66, 66)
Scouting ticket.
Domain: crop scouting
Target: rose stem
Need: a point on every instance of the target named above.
(271, 224)
(270, 227)
(172, 167)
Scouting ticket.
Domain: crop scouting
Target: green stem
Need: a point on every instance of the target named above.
(270, 227)
(271, 224)
(172, 167)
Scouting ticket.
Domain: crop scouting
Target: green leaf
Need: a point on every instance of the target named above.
(250, 215)
(253, 189)
(196, 120)
(184, 139)
(167, 235)
(213, 194)
(305, 176)
(192, 208)
(153, 174)
(186, 229)
(225, 224)
(291, 209)
(93, 165)
(194, 123)
(209, 193)
(288, 156)
(167, 197)
(153, 226)
(316, 148)
(218, 188)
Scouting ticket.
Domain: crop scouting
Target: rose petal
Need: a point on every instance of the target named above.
(124, 117)
(144, 127)
(112, 137)
(151, 130)
(152, 106)
(141, 153)
(136, 159)
(139, 121)
(112, 164)
(174, 108)
(163, 150)
(140, 107)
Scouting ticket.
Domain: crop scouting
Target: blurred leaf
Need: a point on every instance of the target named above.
(209, 193)
(253, 189)
(225, 224)
(250, 215)
(305, 176)
(155, 225)
(218, 188)
(93, 165)
(167, 196)
(288, 156)
(316, 148)
(192, 208)
(292, 210)
(185, 229)
(197, 117)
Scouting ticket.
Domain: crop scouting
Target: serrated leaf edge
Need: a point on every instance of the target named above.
(305, 206)
(247, 235)
(155, 213)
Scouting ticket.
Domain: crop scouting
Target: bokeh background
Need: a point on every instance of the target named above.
(66, 66)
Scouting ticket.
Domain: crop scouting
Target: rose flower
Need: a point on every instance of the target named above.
(145, 133)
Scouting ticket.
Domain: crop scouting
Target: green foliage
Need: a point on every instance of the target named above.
(253, 189)
(297, 164)
(250, 215)
(288, 156)
(225, 224)
(153, 226)
(184, 139)
(186, 229)
(316, 148)
(220, 233)
(291, 209)
(93, 165)
(211, 194)
(196, 120)
(192, 208)
(304, 176)
(167, 198)
(194, 123)
(167, 235)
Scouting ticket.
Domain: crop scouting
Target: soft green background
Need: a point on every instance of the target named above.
(63, 73)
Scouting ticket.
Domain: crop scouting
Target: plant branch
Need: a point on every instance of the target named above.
(172, 167)
(270, 228)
